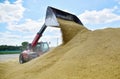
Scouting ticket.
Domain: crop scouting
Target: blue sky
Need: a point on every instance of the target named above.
(20, 20)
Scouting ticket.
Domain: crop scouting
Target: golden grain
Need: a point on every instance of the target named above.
(85, 54)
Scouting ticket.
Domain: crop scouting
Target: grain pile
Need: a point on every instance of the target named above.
(70, 29)
(84, 55)
(2, 69)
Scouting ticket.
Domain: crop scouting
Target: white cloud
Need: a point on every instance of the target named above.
(8, 35)
(102, 16)
(54, 40)
(8, 38)
(11, 36)
(11, 12)
(28, 30)
(28, 26)
(18, 32)
(118, 1)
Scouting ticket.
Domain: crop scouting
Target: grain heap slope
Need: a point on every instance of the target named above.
(85, 54)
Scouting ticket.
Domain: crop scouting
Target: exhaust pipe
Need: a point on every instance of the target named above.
(52, 14)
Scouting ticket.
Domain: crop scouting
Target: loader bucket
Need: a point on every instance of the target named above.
(52, 14)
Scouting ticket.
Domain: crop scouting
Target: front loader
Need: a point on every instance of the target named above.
(35, 49)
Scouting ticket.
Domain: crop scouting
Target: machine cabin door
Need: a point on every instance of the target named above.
(42, 47)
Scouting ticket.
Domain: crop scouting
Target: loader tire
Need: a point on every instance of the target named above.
(21, 59)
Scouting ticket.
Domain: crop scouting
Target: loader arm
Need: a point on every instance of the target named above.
(38, 35)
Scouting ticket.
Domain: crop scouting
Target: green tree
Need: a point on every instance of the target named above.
(24, 45)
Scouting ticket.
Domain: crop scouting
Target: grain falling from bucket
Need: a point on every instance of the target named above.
(70, 29)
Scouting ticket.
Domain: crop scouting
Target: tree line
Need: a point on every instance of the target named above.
(9, 48)
(13, 48)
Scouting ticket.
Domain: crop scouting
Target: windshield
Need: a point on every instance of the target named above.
(42, 47)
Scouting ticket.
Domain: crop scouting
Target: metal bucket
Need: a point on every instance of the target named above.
(52, 14)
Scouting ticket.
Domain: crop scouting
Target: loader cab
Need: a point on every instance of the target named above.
(41, 47)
